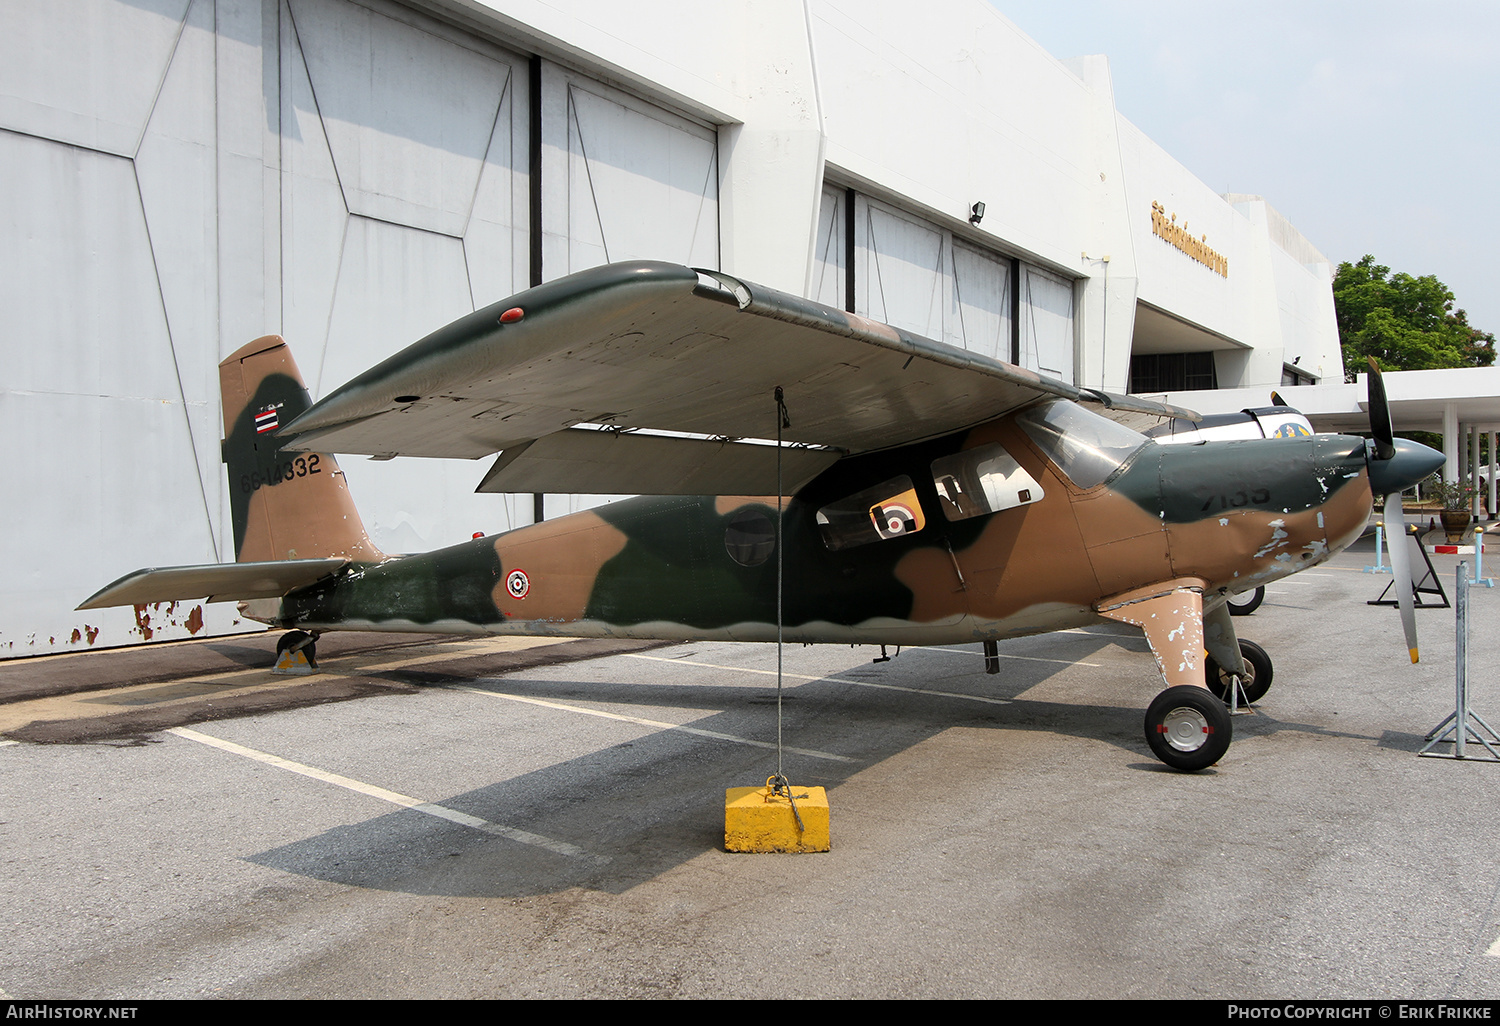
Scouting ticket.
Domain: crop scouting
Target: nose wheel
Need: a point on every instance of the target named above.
(1188, 728)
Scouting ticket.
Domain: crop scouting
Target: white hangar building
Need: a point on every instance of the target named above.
(182, 176)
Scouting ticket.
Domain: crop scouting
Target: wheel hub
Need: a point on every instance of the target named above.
(1186, 728)
(1247, 679)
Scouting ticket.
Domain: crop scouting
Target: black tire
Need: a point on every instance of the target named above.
(301, 640)
(1257, 682)
(1246, 603)
(1188, 728)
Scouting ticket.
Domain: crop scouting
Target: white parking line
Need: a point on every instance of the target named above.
(349, 666)
(405, 801)
(840, 680)
(655, 724)
(1002, 655)
(924, 691)
(6, 741)
(716, 666)
(1494, 950)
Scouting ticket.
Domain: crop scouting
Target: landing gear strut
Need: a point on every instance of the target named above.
(1256, 681)
(1188, 728)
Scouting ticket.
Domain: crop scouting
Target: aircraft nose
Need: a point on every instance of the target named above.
(1412, 462)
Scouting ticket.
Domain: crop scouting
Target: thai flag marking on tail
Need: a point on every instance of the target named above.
(265, 421)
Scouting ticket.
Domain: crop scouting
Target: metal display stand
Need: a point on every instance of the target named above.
(1480, 581)
(1463, 724)
(1428, 585)
(1239, 702)
(1380, 567)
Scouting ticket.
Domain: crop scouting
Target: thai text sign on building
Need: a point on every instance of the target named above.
(1169, 230)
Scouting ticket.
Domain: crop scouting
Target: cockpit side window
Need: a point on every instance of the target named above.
(888, 510)
(982, 480)
(1085, 446)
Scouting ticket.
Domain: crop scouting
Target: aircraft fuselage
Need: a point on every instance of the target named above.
(1234, 515)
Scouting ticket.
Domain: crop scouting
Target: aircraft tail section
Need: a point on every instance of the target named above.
(286, 504)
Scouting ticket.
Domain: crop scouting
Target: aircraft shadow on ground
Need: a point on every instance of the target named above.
(642, 807)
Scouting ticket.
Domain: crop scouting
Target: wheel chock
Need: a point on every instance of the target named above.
(294, 663)
(765, 819)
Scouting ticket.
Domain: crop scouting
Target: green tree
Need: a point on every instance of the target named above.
(1406, 323)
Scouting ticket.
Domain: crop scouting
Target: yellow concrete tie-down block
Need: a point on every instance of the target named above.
(759, 819)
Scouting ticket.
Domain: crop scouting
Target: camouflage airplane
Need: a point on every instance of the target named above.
(934, 496)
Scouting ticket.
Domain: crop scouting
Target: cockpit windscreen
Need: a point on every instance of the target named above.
(1085, 446)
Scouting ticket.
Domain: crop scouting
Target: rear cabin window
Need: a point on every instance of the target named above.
(750, 537)
(888, 510)
(982, 480)
(1085, 446)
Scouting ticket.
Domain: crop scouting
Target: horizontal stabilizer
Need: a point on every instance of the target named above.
(213, 581)
(630, 463)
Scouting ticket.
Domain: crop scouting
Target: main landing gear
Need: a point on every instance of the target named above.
(1187, 725)
(1188, 728)
(297, 653)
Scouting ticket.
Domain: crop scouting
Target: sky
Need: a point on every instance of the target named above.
(1373, 126)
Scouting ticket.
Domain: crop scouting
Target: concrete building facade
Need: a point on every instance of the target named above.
(186, 175)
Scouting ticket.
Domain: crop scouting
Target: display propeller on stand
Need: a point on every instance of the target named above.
(1390, 461)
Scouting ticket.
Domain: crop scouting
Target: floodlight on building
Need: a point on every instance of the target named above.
(976, 214)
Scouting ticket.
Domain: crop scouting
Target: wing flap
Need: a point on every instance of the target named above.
(213, 581)
(612, 463)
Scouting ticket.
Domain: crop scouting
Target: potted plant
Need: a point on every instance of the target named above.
(1456, 499)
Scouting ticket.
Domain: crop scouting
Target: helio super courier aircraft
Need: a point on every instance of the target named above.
(933, 495)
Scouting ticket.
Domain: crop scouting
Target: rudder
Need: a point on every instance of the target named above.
(285, 504)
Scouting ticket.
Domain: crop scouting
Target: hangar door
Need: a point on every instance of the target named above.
(407, 197)
(623, 179)
(1046, 330)
(894, 266)
(410, 196)
(186, 175)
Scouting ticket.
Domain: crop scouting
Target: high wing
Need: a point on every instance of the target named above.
(1135, 412)
(643, 347)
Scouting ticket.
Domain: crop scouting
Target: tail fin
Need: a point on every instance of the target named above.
(286, 504)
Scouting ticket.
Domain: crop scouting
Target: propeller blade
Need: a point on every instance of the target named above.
(1380, 415)
(1276, 400)
(1401, 569)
